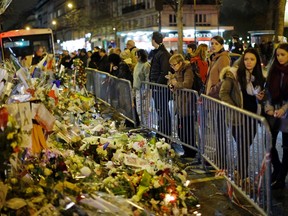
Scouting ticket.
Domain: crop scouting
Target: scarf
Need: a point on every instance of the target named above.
(215, 56)
(278, 89)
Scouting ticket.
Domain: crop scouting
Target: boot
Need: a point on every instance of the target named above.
(275, 161)
(280, 182)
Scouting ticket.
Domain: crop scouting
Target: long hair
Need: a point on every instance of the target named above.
(277, 91)
(274, 61)
(201, 51)
(257, 70)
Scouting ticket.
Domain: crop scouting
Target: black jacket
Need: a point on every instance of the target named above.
(103, 64)
(160, 65)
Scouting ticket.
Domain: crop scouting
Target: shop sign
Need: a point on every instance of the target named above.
(198, 34)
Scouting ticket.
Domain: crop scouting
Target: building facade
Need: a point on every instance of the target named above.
(89, 23)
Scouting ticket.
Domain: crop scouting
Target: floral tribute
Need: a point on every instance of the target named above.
(91, 165)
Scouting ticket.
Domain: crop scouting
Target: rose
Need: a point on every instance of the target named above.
(3, 117)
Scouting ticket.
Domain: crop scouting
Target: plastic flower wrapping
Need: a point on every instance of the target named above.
(63, 156)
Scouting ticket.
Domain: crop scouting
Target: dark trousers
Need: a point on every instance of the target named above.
(244, 135)
(186, 133)
(161, 98)
(279, 168)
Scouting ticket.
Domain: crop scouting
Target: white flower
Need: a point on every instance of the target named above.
(98, 128)
(90, 140)
(83, 147)
(113, 125)
(156, 183)
(166, 146)
(175, 211)
(161, 165)
(118, 155)
(182, 177)
(85, 171)
(109, 165)
(159, 144)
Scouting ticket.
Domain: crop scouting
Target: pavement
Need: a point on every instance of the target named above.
(212, 193)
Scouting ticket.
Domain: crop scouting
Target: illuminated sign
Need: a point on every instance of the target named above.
(16, 44)
(187, 35)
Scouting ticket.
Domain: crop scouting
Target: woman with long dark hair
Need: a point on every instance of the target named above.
(243, 86)
(276, 110)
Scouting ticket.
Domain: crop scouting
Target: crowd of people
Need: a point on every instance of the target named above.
(239, 82)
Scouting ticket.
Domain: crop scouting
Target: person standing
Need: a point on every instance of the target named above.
(199, 58)
(276, 109)
(38, 55)
(95, 57)
(181, 79)
(131, 46)
(141, 73)
(243, 86)
(218, 60)
(65, 59)
(103, 63)
(159, 69)
(83, 56)
(191, 48)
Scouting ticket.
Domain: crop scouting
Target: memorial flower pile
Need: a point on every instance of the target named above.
(88, 160)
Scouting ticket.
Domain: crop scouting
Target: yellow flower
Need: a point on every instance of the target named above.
(30, 167)
(29, 190)
(14, 181)
(13, 144)
(10, 136)
(47, 172)
(40, 190)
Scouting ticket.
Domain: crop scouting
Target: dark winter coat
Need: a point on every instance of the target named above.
(160, 65)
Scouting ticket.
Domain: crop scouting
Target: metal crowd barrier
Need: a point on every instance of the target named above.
(113, 91)
(170, 114)
(237, 143)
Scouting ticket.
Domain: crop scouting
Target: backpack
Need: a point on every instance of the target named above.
(198, 85)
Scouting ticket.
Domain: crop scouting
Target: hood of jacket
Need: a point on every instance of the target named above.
(228, 72)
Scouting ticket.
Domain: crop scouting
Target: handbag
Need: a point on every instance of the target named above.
(214, 91)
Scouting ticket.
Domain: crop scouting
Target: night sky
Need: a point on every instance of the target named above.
(11, 15)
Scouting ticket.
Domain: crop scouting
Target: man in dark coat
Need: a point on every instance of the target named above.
(159, 69)
(103, 64)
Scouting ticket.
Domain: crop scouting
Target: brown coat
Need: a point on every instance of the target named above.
(218, 62)
(184, 78)
(230, 89)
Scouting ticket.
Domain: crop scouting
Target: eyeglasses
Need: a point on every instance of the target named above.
(173, 65)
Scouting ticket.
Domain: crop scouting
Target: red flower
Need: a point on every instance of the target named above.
(3, 117)
(16, 149)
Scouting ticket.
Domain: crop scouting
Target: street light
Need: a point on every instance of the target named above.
(54, 22)
(115, 36)
(70, 5)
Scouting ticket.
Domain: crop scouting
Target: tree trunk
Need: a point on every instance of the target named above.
(279, 22)
(180, 25)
